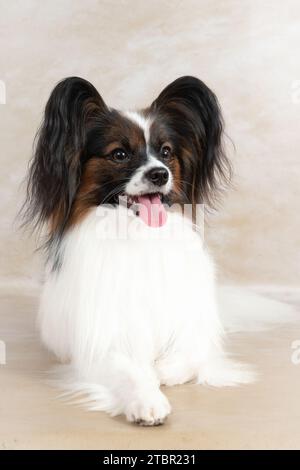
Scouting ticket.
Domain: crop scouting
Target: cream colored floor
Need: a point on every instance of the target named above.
(263, 415)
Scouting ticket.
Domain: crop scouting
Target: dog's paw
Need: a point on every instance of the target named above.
(150, 410)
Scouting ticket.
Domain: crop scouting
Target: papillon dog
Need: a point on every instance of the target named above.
(128, 313)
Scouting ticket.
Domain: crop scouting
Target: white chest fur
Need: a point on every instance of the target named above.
(145, 290)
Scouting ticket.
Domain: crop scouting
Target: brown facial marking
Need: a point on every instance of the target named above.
(123, 132)
(101, 176)
(85, 196)
(57, 217)
(176, 171)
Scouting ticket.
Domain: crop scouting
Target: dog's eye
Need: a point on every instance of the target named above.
(166, 151)
(119, 155)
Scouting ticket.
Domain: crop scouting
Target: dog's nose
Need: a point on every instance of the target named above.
(158, 176)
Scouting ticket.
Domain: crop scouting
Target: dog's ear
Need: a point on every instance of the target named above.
(193, 111)
(70, 114)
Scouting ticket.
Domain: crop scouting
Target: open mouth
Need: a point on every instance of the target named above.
(149, 207)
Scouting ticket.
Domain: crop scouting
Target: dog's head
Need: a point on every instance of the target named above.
(88, 154)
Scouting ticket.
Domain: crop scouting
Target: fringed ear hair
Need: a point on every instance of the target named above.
(70, 114)
(193, 111)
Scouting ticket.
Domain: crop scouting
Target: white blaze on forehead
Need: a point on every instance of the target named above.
(138, 183)
(142, 121)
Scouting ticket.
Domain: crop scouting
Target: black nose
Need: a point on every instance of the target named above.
(158, 176)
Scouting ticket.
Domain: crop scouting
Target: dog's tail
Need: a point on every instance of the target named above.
(244, 310)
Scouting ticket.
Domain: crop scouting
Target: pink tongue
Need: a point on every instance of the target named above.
(151, 210)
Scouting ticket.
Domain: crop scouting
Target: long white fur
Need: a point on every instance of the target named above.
(242, 310)
(127, 315)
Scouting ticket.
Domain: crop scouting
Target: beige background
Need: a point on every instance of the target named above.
(246, 51)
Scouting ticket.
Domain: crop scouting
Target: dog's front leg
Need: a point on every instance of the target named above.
(135, 391)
